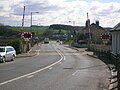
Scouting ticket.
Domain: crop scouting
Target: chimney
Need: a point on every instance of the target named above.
(97, 23)
(87, 21)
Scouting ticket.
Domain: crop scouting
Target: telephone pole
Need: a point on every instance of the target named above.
(89, 32)
(23, 18)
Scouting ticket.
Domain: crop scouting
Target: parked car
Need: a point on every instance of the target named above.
(7, 53)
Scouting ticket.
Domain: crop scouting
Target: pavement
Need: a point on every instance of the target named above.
(113, 78)
(32, 52)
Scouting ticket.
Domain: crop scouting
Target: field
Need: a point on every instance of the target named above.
(36, 30)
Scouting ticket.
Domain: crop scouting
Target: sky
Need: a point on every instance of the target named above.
(69, 12)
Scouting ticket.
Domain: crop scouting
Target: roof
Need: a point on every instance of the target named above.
(94, 26)
(117, 27)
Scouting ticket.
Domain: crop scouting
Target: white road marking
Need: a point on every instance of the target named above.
(35, 52)
(60, 63)
(29, 50)
(38, 52)
(75, 72)
(50, 67)
(64, 57)
(29, 74)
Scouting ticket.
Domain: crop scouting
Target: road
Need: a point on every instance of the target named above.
(55, 67)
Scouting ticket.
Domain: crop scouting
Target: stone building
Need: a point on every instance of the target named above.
(95, 31)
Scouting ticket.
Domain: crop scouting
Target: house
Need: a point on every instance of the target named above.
(61, 36)
(95, 31)
(115, 48)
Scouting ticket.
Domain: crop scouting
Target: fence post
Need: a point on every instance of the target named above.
(109, 57)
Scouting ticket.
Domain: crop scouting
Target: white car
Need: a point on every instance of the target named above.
(7, 53)
(46, 40)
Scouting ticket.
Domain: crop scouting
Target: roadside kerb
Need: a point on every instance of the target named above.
(25, 55)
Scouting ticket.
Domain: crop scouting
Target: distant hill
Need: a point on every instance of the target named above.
(65, 27)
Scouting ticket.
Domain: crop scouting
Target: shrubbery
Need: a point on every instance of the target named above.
(17, 45)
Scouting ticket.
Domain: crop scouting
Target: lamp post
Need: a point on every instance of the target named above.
(27, 42)
(31, 18)
(74, 32)
(73, 22)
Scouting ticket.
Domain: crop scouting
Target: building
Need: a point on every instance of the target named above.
(116, 39)
(95, 31)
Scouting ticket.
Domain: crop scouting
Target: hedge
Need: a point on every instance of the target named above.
(17, 45)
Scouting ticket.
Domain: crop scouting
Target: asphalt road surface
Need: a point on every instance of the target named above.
(55, 67)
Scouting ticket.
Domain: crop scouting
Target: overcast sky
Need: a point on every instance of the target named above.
(60, 12)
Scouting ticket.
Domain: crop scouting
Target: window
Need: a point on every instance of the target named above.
(2, 49)
(11, 49)
(7, 50)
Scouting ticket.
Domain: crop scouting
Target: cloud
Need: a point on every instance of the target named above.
(104, 9)
(41, 7)
(60, 11)
(1, 7)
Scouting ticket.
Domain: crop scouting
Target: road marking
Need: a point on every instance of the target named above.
(38, 52)
(60, 63)
(64, 57)
(75, 72)
(30, 51)
(50, 67)
(29, 74)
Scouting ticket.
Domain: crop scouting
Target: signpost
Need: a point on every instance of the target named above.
(105, 37)
(26, 36)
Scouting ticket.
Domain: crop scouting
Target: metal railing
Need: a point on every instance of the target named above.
(110, 59)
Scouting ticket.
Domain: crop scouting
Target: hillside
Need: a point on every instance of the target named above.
(65, 27)
(7, 32)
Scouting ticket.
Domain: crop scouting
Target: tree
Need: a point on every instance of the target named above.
(48, 33)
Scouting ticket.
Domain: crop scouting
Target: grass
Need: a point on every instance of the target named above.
(69, 42)
(37, 30)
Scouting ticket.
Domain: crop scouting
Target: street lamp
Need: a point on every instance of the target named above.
(31, 18)
(74, 32)
(73, 22)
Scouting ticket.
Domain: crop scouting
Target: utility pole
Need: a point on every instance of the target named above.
(89, 32)
(22, 49)
(31, 20)
(23, 18)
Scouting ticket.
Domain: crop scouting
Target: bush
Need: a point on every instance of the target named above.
(17, 45)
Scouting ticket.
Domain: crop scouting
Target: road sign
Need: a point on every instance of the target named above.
(26, 36)
(105, 36)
